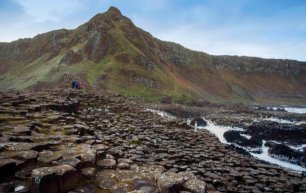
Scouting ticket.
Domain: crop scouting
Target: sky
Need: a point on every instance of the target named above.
(262, 28)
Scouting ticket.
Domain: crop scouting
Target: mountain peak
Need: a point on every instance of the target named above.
(114, 10)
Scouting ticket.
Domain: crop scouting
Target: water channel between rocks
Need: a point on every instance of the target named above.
(220, 130)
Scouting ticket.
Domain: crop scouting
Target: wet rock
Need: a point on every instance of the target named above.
(56, 179)
(200, 121)
(195, 186)
(170, 182)
(232, 136)
(145, 185)
(292, 134)
(106, 179)
(239, 150)
(285, 153)
(17, 187)
(107, 163)
(235, 137)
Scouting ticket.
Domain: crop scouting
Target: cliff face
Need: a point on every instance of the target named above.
(109, 51)
(259, 65)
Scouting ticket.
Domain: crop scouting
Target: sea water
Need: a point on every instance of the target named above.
(219, 131)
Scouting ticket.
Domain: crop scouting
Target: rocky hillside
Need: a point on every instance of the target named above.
(110, 52)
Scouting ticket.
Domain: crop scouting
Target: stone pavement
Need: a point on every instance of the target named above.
(65, 140)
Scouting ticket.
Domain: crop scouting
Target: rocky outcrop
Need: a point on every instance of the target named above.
(245, 64)
(292, 134)
(237, 138)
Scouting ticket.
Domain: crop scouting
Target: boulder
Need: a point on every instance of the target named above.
(232, 136)
(56, 179)
(288, 154)
(235, 137)
(200, 121)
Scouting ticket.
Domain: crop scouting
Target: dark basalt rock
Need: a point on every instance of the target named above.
(232, 136)
(200, 121)
(25, 173)
(14, 187)
(235, 137)
(288, 154)
(239, 150)
(71, 107)
(7, 167)
(56, 179)
(292, 134)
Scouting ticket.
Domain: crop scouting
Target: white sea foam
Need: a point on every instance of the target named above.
(162, 114)
(220, 130)
(266, 157)
(278, 120)
(295, 110)
(298, 110)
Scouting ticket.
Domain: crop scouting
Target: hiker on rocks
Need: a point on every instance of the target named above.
(75, 84)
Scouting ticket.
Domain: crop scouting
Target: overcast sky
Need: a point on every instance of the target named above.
(264, 28)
